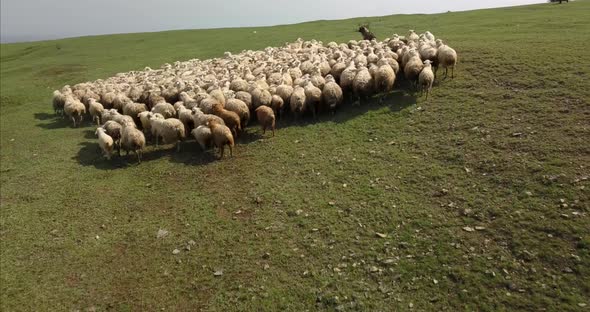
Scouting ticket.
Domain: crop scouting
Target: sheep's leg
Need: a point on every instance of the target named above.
(263, 129)
(446, 72)
(273, 131)
(231, 152)
(221, 150)
(138, 153)
(178, 147)
(453, 72)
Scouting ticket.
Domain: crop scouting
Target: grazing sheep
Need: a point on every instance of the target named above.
(132, 140)
(107, 99)
(105, 142)
(203, 136)
(331, 94)
(75, 110)
(201, 119)
(113, 129)
(95, 109)
(221, 137)
(164, 109)
(447, 57)
(412, 69)
(231, 119)
(171, 130)
(266, 118)
(426, 78)
(239, 107)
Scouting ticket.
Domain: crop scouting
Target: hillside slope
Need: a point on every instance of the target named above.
(291, 221)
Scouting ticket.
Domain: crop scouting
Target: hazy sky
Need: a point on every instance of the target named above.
(25, 20)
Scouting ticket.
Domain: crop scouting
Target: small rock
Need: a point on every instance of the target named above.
(331, 203)
(175, 251)
(581, 304)
(266, 255)
(266, 266)
(192, 242)
(410, 305)
(467, 170)
(218, 273)
(480, 228)
(468, 229)
(516, 134)
(162, 233)
(381, 235)
(103, 226)
(529, 193)
(568, 270)
(97, 237)
(374, 269)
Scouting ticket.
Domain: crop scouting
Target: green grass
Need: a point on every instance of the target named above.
(419, 171)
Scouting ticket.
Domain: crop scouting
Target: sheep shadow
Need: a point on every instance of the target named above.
(55, 122)
(191, 153)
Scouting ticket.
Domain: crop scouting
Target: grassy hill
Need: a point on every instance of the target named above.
(291, 221)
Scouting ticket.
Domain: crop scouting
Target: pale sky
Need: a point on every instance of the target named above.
(26, 20)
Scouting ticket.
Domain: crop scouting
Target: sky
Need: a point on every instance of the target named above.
(30, 20)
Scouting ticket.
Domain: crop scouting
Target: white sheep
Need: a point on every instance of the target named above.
(362, 85)
(171, 130)
(202, 135)
(426, 78)
(75, 110)
(332, 94)
(164, 109)
(105, 142)
(132, 140)
(447, 57)
(59, 100)
(95, 109)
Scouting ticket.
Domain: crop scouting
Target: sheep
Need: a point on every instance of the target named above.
(187, 100)
(75, 110)
(144, 119)
(113, 129)
(120, 101)
(266, 118)
(185, 115)
(59, 100)
(201, 119)
(284, 91)
(231, 119)
(384, 80)
(277, 104)
(260, 97)
(412, 36)
(221, 136)
(238, 85)
(132, 140)
(95, 109)
(412, 69)
(447, 57)
(426, 78)
(331, 94)
(171, 130)
(133, 109)
(105, 142)
(164, 109)
(297, 101)
(244, 97)
(347, 78)
(367, 35)
(362, 83)
(239, 107)
(313, 98)
(202, 135)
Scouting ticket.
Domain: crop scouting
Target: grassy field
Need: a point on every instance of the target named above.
(482, 191)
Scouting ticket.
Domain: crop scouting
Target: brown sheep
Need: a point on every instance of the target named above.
(231, 119)
(266, 118)
(221, 137)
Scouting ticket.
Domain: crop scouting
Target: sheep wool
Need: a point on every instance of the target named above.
(105, 142)
(266, 118)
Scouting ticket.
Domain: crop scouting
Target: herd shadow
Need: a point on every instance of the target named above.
(191, 153)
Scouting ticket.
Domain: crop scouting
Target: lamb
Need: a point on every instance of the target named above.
(231, 119)
(105, 142)
(426, 78)
(239, 107)
(95, 109)
(331, 94)
(447, 57)
(59, 100)
(171, 130)
(146, 125)
(132, 140)
(362, 84)
(75, 110)
(297, 101)
(221, 136)
(203, 136)
(113, 129)
(164, 109)
(266, 118)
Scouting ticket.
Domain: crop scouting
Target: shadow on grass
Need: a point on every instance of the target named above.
(192, 154)
(55, 122)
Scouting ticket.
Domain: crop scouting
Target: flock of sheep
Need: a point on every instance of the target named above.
(213, 100)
